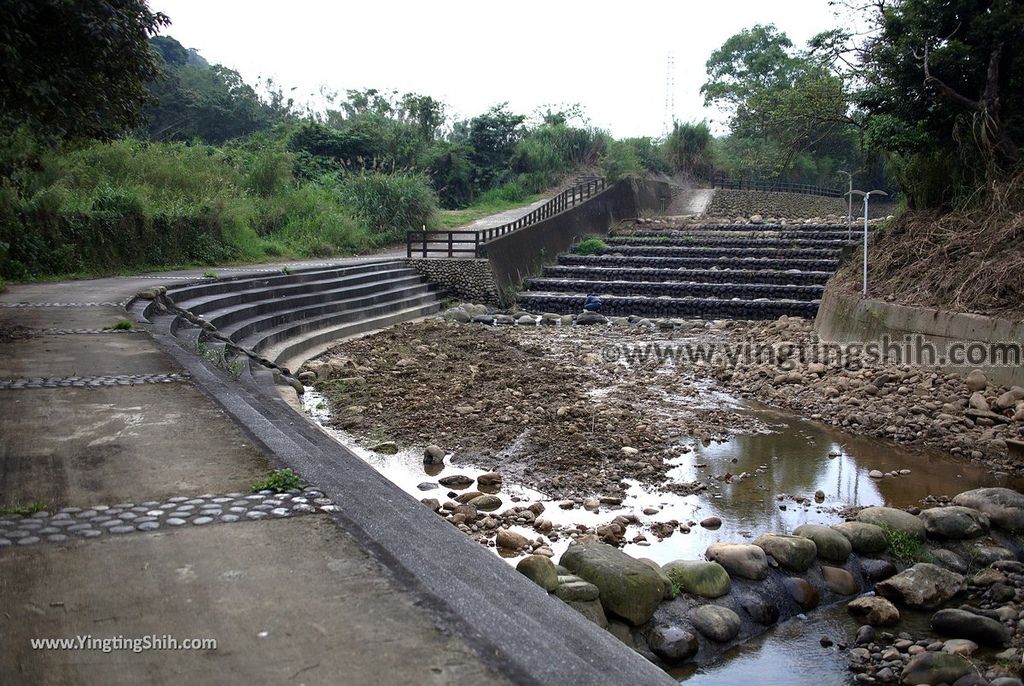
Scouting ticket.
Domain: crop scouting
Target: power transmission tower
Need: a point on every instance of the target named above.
(670, 94)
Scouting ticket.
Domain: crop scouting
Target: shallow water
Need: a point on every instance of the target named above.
(791, 457)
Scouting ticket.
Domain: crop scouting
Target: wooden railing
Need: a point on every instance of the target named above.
(461, 242)
(721, 181)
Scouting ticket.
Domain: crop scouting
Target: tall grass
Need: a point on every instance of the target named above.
(129, 204)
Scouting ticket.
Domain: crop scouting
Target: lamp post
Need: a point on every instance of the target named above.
(866, 197)
(849, 204)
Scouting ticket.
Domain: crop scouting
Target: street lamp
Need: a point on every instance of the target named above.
(866, 197)
(849, 205)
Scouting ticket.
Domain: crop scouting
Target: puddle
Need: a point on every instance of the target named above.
(791, 457)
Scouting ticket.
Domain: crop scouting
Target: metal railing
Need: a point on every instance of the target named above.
(721, 181)
(460, 242)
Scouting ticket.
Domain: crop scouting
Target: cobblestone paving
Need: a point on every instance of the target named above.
(70, 523)
(89, 381)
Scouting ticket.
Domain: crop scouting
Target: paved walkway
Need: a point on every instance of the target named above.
(150, 527)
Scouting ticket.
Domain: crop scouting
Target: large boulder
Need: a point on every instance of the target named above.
(866, 539)
(540, 570)
(922, 586)
(672, 643)
(591, 609)
(955, 522)
(894, 519)
(874, 610)
(666, 583)
(706, 579)
(839, 580)
(716, 622)
(1004, 506)
(760, 609)
(832, 545)
(794, 553)
(964, 624)
(934, 668)
(739, 559)
(800, 590)
(629, 588)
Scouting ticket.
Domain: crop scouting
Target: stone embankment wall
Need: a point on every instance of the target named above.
(520, 254)
(735, 203)
(464, 279)
(846, 318)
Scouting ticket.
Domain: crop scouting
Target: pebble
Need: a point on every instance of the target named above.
(199, 521)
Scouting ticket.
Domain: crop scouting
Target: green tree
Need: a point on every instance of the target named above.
(492, 136)
(76, 67)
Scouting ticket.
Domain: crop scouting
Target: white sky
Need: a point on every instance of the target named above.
(608, 56)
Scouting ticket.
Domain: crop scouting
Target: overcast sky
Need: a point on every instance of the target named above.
(608, 56)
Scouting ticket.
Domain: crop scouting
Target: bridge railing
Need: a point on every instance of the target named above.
(460, 242)
(725, 182)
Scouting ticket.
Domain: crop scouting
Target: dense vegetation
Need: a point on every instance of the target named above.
(141, 153)
(161, 158)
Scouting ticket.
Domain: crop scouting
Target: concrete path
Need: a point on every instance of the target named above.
(115, 455)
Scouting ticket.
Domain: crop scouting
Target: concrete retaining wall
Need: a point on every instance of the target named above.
(520, 254)
(470, 280)
(844, 318)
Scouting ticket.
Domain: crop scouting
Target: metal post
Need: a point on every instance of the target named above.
(866, 196)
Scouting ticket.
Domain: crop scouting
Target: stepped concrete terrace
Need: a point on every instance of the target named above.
(742, 271)
(143, 454)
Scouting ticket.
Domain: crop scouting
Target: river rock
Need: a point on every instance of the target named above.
(1010, 398)
(489, 479)
(509, 540)
(665, 581)
(486, 502)
(590, 318)
(832, 545)
(875, 569)
(760, 609)
(794, 553)
(716, 622)
(963, 624)
(739, 559)
(922, 586)
(935, 668)
(706, 579)
(865, 539)
(385, 448)
(874, 610)
(840, 581)
(711, 522)
(800, 590)
(540, 570)
(1004, 506)
(955, 522)
(894, 519)
(959, 646)
(575, 588)
(949, 560)
(672, 643)
(629, 588)
(456, 481)
(433, 455)
(591, 609)
(976, 381)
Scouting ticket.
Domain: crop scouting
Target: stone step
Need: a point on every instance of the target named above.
(773, 276)
(291, 351)
(253, 291)
(233, 316)
(756, 227)
(722, 251)
(233, 284)
(542, 286)
(817, 234)
(692, 240)
(382, 295)
(749, 263)
(263, 338)
(702, 308)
